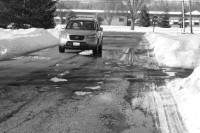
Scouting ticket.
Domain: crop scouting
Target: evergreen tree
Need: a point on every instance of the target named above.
(144, 19)
(164, 19)
(100, 19)
(70, 15)
(37, 13)
(3, 21)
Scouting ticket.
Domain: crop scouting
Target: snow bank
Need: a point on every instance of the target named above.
(16, 42)
(181, 51)
(173, 30)
(176, 51)
(187, 95)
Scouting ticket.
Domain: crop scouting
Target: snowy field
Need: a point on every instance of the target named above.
(171, 48)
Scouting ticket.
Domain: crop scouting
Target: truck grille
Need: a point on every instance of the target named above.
(76, 37)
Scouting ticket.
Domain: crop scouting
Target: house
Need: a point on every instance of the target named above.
(121, 18)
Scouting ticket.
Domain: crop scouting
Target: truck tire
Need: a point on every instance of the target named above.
(61, 49)
(95, 50)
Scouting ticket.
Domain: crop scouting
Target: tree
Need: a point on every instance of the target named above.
(37, 13)
(3, 21)
(110, 10)
(100, 19)
(132, 7)
(144, 19)
(164, 19)
(108, 16)
(181, 19)
(70, 15)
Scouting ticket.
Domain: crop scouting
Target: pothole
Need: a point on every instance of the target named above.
(13, 84)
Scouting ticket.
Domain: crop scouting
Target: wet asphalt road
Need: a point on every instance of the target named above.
(121, 91)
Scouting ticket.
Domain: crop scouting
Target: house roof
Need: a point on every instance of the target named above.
(195, 12)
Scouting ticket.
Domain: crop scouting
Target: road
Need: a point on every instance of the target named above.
(121, 91)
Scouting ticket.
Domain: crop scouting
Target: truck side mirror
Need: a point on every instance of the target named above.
(100, 29)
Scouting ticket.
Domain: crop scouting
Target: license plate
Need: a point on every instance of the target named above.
(76, 44)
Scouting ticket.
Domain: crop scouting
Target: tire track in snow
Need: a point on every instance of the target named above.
(175, 122)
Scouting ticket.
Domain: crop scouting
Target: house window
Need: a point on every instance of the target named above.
(121, 19)
(196, 23)
(175, 23)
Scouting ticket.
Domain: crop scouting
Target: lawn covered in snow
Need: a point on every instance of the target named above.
(171, 48)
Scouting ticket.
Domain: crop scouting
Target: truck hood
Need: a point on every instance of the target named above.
(78, 32)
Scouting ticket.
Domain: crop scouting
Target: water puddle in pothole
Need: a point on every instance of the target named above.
(100, 83)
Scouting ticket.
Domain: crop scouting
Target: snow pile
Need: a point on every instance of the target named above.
(181, 51)
(16, 42)
(176, 51)
(173, 30)
(187, 95)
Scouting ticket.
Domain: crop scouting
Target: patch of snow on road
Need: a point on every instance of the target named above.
(94, 88)
(64, 73)
(171, 74)
(55, 79)
(86, 52)
(99, 82)
(80, 93)
(41, 58)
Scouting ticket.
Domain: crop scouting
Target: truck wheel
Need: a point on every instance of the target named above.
(100, 49)
(102, 41)
(95, 50)
(61, 49)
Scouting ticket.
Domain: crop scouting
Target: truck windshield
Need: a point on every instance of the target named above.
(81, 25)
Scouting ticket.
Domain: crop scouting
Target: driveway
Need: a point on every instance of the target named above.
(121, 91)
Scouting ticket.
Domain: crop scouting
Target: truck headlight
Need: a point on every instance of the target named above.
(63, 38)
(92, 36)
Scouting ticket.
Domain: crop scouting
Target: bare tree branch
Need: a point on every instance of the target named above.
(133, 6)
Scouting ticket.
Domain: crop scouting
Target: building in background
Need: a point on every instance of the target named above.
(121, 18)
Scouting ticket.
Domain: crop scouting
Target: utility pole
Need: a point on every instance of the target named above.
(183, 13)
(191, 30)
